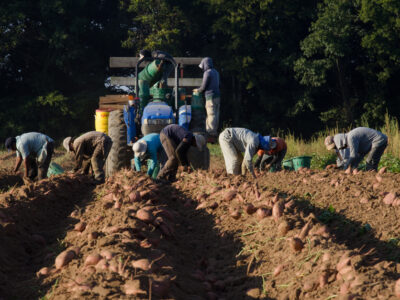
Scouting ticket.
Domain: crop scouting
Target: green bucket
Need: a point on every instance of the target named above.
(197, 101)
(301, 162)
(54, 169)
(288, 165)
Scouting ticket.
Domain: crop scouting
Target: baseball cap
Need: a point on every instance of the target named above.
(66, 142)
(140, 148)
(9, 142)
(329, 143)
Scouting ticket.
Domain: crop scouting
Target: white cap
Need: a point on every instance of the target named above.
(140, 148)
(200, 141)
(66, 142)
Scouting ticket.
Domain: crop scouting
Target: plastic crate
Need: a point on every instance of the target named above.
(301, 162)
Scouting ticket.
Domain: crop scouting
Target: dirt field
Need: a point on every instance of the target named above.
(287, 235)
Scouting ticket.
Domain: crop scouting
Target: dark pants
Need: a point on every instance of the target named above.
(274, 160)
(170, 168)
(374, 156)
(39, 170)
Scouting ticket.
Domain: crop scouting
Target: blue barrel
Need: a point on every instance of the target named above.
(185, 116)
(129, 118)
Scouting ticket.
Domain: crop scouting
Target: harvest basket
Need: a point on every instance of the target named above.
(301, 162)
(288, 165)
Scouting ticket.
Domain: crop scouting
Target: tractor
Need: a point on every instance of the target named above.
(159, 103)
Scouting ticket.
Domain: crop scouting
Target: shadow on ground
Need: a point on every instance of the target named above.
(33, 220)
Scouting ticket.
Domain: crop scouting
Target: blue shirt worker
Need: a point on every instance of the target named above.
(176, 141)
(35, 150)
(360, 141)
(235, 141)
(210, 86)
(149, 147)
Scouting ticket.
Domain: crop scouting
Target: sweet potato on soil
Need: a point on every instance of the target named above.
(296, 244)
(64, 258)
(229, 195)
(80, 226)
(142, 264)
(92, 259)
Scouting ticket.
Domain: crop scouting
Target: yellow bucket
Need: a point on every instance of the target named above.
(101, 120)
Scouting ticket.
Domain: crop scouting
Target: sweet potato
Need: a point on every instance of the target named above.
(64, 258)
(92, 259)
(143, 264)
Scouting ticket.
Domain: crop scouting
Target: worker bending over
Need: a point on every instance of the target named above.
(176, 141)
(274, 157)
(90, 149)
(149, 147)
(35, 150)
(360, 141)
(234, 142)
(210, 86)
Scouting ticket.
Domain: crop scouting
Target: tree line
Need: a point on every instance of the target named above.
(294, 65)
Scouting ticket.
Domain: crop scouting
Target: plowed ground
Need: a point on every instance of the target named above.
(307, 235)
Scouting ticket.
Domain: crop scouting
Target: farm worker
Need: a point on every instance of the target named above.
(210, 86)
(342, 157)
(274, 157)
(36, 150)
(360, 141)
(90, 149)
(164, 66)
(149, 147)
(176, 141)
(235, 141)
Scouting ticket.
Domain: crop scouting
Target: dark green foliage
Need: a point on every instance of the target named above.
(299, 66)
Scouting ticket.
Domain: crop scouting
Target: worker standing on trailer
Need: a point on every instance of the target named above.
(35, 150)
(164, 66)
(176, 141)
(149, 147)
(90, 149)
(210, 86)
(360, 141)
(235, 141)
(274, 157)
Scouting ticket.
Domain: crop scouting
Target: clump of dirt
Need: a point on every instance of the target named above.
(9, 180)
(31, 220)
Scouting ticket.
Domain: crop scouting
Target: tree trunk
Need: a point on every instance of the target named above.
(344, 92)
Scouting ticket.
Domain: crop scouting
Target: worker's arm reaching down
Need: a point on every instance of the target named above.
(251, 149)
(182, 150)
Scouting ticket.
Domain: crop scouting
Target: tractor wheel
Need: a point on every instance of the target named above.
(120, 154)
(199, 159)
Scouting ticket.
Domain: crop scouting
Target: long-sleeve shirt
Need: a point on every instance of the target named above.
(31, 143)
(247, 142)
(177, 133)
(153, 146)
(210, 83)
(360, 141)
(85, 145)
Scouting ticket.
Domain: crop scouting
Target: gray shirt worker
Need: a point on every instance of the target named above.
(234, 140)
(361, 141)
